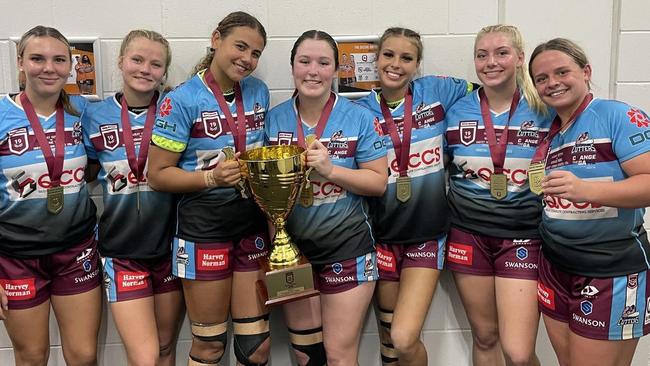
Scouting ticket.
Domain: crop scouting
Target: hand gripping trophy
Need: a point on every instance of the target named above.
(275, 176)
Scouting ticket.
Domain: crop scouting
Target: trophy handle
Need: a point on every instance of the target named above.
(307, 173)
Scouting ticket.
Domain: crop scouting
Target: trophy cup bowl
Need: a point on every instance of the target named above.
(274, 175)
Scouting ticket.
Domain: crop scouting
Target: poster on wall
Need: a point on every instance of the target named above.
(357, 69)
(85, 73)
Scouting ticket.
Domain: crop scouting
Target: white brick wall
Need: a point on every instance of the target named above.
(615, 35)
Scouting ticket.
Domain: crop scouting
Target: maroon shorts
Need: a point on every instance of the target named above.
(484, 255)
(128, 279)
(392, 258)
(345, 275)
(30, 282)
(612, 308)
(217, 260)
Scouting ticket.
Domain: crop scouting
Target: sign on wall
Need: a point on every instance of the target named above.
(357, 68)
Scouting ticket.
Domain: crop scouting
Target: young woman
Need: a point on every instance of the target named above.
(47, 244)
(410, 220)
(493, 244)
(220, 235)
(593, 284)
(332, 232)
(144, 296)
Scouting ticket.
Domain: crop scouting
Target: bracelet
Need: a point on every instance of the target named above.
(209, 179)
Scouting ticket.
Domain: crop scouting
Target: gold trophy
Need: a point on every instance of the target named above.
(275, 176)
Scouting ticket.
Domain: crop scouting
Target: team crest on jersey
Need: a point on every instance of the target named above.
(337, 268)
(211, 124)
(18, 140)
(110, 135)
(285, 138)
(467, 131)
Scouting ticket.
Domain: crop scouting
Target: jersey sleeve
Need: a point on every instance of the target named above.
(451, 89)
(369, 145)
(173, 125)
(630, 128)
(87, 128)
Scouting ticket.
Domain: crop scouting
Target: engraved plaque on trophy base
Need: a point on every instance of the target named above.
(286, 284)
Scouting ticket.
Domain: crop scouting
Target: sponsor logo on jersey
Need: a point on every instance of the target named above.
(368, 266)
(85, 254)
(337, 268)
(21, 289)
(165, 107)
(421, 246)
(639, 137)
(161, 123)
(259, 243)
(468, 132)
(522, 253)
(377, 126)
(211, 124)
(131, 281)
(338, 144)
(285, 138)
(212, 259)
(386, 260)
(461, 254)
(87, 277)
(520, 242)
(182, 257)
(107, 280)
(110, 136)
(546, 296)
(639, 118)
(87, 266)
(18, 140)
(587, 307)
(646, 319)
(632, 281)
(589, 291)
(588, 322)
(559, 208)
(528, 134)
(23, 184)
(629, 316)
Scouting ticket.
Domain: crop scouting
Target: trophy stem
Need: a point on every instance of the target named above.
(284, 252)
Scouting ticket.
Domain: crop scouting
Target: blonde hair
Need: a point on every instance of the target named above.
(524, 82)
(225, 27)
(41, 31)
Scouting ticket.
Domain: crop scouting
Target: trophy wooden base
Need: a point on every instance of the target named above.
(286, 284)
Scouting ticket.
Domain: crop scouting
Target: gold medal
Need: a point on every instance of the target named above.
(498, 186)
(535, 176)
(403, 192)
(309, 139)
(307, 191)
(55, 199)
(229, 153)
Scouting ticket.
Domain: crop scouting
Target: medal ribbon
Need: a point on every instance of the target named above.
(54, 161)
(237, 128)
(137, 163)
(322, 120)
(497, 148)
(402, 147)
(542, 150)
